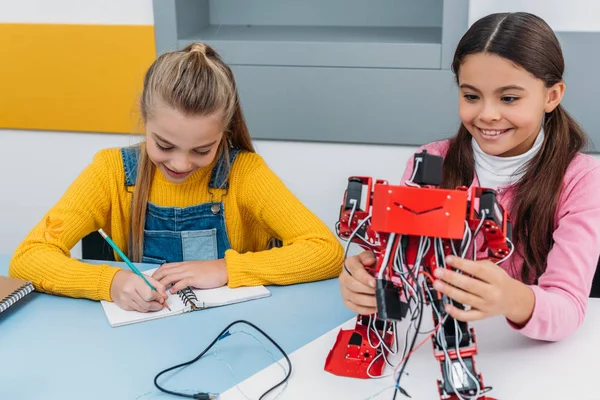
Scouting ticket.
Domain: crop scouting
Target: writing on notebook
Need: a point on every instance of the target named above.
(184, 301)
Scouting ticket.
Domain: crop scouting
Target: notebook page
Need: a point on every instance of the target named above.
(225, 295)
(119, 317)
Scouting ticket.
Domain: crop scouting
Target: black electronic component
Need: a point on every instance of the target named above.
(489, 205)
(355, 340)
(354, 192)
(389, 305)
(364, 319)
(451, 334)
(362, 231)
(458, 376)
(427, 169)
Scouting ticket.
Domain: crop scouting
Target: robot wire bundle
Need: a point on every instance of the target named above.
(411, 229)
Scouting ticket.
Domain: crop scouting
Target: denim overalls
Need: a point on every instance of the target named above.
(173, 234)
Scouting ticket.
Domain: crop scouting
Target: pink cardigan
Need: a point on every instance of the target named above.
(562, 292)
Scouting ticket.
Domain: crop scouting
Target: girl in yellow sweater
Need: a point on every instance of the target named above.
(194, 198)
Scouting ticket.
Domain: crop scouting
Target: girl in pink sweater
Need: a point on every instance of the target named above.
(516, 138)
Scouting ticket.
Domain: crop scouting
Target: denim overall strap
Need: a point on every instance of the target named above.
(219, 178)
(130, 156)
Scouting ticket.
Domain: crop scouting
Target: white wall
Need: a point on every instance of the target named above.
(103, 12)
(35, 170)
(37, 167)
(561, 15)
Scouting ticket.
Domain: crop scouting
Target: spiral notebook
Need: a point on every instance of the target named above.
(12, 290)
(184, 301)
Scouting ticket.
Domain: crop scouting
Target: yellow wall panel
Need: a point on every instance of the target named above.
(73, 77)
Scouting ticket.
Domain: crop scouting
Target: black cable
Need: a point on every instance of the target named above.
(223, 334)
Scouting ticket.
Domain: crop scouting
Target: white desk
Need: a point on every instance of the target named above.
(518, 368)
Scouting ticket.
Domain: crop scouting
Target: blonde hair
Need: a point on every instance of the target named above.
(193, 81)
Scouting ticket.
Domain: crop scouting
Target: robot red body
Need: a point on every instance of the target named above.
(410, 230)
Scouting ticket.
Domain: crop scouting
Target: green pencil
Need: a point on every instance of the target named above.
(127, 261)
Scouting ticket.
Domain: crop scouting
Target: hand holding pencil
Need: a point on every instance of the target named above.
(131, 293)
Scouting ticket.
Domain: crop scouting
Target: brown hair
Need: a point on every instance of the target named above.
(529, 42)
(193, 81)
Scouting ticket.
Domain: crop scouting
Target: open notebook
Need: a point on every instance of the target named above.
(184, 301)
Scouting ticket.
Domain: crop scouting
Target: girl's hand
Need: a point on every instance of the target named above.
(130, 292)
(357, 286)
(489, 291)
(198, 274)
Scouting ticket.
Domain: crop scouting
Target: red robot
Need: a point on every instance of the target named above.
(411, 229)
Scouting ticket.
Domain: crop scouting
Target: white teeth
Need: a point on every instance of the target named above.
(491, 133)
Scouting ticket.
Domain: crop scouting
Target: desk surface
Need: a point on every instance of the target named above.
(55, 348)
(61, 348)
(518, 368)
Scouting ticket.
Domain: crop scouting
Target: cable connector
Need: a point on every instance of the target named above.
(206, 396)
(404, 392)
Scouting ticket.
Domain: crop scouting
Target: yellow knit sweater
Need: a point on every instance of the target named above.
(258, 204)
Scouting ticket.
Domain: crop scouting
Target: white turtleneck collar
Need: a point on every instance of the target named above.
(494, 172)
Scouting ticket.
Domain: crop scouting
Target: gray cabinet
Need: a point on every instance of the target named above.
(358, 71)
